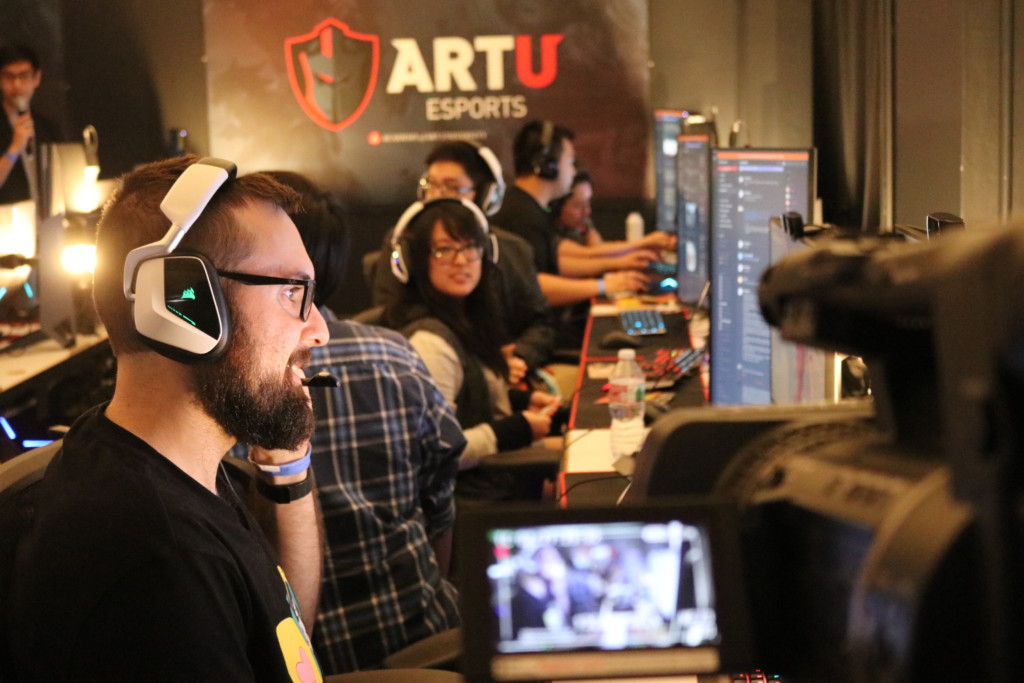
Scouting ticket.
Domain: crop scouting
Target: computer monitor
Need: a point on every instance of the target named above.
(693, 203)
(18, 248)
(552, 594)
(668, 124)
(68, 180)
(748, 188)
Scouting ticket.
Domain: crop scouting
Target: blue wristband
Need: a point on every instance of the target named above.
(12, 156)
(600, 286)
(287, 469)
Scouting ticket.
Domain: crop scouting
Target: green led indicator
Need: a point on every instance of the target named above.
(189, 293)
(174, 310)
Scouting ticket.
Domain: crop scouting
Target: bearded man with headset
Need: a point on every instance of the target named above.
(143, 562)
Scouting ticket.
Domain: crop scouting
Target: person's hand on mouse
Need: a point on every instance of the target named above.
(625, 281)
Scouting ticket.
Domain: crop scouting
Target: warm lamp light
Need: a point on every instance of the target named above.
(79, 259)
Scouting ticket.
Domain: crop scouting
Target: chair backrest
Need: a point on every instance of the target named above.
(371, 261)
(18, 477)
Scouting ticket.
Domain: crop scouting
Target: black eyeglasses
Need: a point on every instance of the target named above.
(428, 185)
(289, 297)
(446, 255)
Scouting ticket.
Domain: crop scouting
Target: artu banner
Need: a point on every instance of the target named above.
(355, 93)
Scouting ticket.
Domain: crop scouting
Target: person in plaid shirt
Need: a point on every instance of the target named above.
(385, 454)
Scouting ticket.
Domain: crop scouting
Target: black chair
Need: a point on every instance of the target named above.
(18, 477)
(371, 261)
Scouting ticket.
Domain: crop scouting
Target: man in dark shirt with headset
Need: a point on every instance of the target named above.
(545, 163)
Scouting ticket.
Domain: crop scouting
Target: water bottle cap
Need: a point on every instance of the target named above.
(627, 354)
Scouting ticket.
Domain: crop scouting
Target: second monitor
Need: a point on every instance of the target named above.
(750, 365)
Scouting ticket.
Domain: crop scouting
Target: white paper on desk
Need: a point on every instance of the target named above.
(603, 309)
(589, 450)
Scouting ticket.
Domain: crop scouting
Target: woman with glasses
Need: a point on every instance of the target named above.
(451, 314)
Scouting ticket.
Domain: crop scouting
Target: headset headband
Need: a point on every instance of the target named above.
(183, 204)
(496, 189)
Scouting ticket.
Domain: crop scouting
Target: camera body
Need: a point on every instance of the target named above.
(883, 538)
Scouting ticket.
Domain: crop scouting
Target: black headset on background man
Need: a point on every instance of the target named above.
(178, 307)
(398, 257)
(545, 161)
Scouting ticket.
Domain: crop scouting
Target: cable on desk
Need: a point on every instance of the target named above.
(607, 477)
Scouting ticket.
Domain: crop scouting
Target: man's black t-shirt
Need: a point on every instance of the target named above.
(521, 214)
(133, 571)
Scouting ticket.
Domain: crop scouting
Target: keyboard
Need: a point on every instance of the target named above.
(642, 321)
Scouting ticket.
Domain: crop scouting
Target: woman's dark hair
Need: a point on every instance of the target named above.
(476, 320)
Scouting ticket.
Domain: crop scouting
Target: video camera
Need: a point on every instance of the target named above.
(882, 539)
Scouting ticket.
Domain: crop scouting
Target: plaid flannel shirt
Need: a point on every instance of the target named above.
(385, 455)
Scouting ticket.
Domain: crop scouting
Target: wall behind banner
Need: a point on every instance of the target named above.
(359, 103)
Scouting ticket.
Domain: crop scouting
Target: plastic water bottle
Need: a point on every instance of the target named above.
(634, 227)
(626, 404)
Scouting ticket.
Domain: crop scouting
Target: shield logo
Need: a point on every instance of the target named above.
(333, 72)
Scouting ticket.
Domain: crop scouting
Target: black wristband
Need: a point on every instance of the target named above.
(284, 493)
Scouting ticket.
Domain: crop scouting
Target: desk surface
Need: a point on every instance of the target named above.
(21, 365)
(588, 474)
(589, 407)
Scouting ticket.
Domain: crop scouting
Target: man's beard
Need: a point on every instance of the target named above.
(258, 409)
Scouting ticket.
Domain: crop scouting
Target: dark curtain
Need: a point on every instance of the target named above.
(852, 110)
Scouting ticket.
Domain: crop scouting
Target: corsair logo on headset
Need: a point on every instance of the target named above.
(178, 306)
(398, 260)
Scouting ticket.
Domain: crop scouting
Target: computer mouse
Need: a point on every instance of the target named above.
(618, 339)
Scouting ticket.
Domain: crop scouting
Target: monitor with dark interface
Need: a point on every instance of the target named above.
(668, 124)
(693, 204)
(748, 188)
(552, 594)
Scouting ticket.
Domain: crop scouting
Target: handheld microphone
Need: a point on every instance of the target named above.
(20, 103)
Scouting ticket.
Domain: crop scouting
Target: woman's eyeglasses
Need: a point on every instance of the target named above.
(296, 297)
(470, 252)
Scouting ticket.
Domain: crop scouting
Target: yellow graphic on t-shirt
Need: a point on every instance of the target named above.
(297, 653)
(295, 648)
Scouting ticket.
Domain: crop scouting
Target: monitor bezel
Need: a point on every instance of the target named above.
(684, 298)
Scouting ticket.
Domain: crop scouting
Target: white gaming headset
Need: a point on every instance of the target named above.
(178, 306)
(398, 259)
(495, 192)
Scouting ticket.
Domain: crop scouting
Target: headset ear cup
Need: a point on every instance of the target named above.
(398, 267)
(494, 247)
(180, 310)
